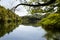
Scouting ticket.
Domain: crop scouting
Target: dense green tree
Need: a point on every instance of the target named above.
(7, 15)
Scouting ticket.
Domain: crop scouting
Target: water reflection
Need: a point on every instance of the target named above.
(8, 31)
(7, 27)
(52, 34)
(15, 31)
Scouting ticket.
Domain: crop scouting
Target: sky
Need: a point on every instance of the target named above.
(21, 11)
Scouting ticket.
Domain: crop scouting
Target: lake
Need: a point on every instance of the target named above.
(23, 32)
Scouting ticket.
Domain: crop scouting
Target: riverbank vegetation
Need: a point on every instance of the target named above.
(7, 15)
(52, 21)
(45, 16)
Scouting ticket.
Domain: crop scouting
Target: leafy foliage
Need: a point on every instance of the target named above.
(55, 7)
(8, 15)
(51, 21)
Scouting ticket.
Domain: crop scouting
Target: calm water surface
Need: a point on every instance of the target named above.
(25, 33)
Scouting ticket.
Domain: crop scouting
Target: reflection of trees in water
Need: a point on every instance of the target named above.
(7, 27)
(52, 34)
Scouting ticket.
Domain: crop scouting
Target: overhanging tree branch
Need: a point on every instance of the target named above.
(37, 5)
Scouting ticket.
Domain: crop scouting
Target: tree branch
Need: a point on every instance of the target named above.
(44, 4)
(37, 5)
